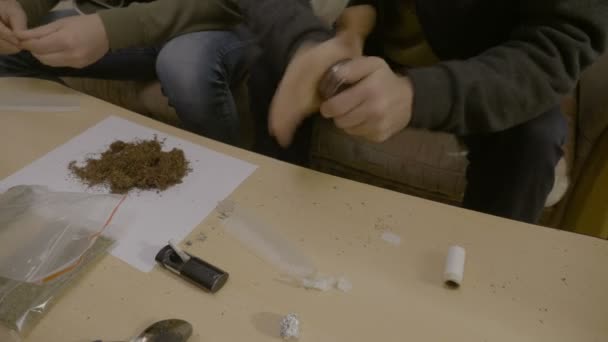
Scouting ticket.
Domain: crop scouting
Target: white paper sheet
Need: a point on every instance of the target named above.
(150, 219)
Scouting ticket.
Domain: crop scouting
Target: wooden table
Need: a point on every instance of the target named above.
(522, 282)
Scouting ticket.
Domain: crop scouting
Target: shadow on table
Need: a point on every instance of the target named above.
(267, 323)
(431, 269)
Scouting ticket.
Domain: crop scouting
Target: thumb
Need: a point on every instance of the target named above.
(282, 124)
(18, 21)
(355, 70)
(7, 35)
(39, 32)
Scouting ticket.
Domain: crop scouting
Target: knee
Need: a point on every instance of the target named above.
(195, 58)
(178, 73)
(543, 137)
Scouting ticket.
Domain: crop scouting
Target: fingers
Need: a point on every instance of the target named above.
(45, 45)
(7, 48)
(18, 20)
(7, 35)
(298, 93)
(359, 68)
(360, 121)
(283, 127)
(354, 72)
(12, 18)
(39, 32)
(344, 102)
(352, 119)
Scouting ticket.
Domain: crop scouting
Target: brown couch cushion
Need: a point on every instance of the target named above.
(413, 161)
(421, 163)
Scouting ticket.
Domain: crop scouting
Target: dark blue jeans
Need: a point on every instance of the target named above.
(197, 72)
(512, 172)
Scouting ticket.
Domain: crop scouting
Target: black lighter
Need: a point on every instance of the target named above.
(192, 268)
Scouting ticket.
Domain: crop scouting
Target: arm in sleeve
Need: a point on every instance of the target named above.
(281, 26)
(151, 23)
(517, 80)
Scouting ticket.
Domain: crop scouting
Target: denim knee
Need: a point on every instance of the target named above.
(542, 138)
(197, 69)
(197, 72)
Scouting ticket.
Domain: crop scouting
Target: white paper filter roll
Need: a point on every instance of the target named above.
(454, 266)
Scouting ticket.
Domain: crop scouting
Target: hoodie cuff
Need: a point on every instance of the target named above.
(432, 97)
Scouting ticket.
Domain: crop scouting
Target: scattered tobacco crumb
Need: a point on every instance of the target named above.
(189, 243)
(141, 164)
(201, 237)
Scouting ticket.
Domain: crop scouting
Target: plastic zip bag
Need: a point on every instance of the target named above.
(46, 239)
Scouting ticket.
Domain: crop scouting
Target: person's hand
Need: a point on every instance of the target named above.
(75, 42)
(377, 106)
(297, 96)
(12, 18)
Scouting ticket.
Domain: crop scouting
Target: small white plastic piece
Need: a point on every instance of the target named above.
(320, 283)
(185, 257)
(290, 327)
(454, 266)
(344, 285)
(391, 238)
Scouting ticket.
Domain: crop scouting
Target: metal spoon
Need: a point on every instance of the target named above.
(169, 330)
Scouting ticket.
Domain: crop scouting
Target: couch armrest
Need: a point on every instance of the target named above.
(592, 118)
(585, 209)
(588, 209)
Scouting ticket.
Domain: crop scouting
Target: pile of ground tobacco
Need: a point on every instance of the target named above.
(140, 165)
